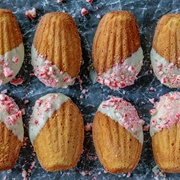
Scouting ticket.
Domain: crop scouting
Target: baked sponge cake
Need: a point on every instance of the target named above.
(117, 54)
(12, 132)
(56, 50)
(56, 131)
(11, 47)
(117, 135)
(165, 132)
(165, 53)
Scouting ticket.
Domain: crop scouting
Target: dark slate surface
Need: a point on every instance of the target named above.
(147, 13)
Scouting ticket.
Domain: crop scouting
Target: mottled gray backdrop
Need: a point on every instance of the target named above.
(147, 12)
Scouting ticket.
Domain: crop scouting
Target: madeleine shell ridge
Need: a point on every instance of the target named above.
(10, 34)
(166, 149)
(60, 142)
(58, 40)
(117, 150)
(9, 148)
(117, 38)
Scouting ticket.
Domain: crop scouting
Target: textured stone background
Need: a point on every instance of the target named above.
(147, 12)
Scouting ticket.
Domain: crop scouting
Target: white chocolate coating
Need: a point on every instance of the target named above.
(166, 112)
(43, 110)
(122, 75)
(11, 116)
(125, 114)
(48, 73)
(12, 62)
(167, 73)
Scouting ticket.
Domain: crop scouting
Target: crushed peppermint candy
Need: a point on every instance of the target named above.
(80, 82)
(151, 100)
(167, 73)
(152, 89)
(157, 172)
(122, 74)
(98, 16)
(125, 114)
(128, 175)
(31, 167)
(84, 11)
(88, 127)
(166, 112)
(85, 173)
(89, 1)
(15, 60)
(31, 13)
(17, 81)
(24, 143)
(23, 112)
(26, 101)
(24, 174)
(146, 128)
(10, 63)
(49, 73)
(11, 116)
(4, 91)
(8, 72)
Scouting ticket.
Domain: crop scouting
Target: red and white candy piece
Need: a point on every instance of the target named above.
(31, 13)
(84, 11)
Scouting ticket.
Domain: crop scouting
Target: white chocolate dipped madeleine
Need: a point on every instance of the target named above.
(165, 53)
(165, 132)
(56, 50)
(11, 47)
(56, 131)
(12, 132)
(117, 54)
(117, 135)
